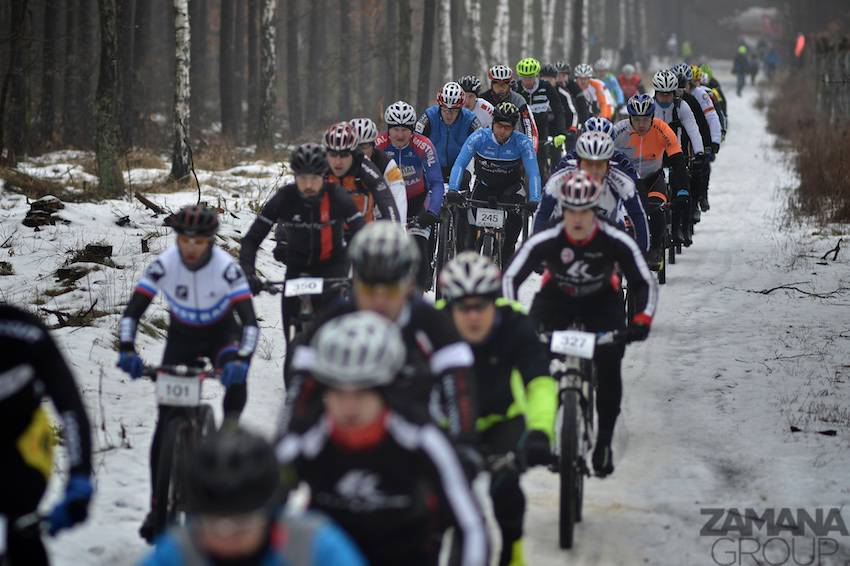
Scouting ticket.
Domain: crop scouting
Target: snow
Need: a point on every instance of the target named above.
(708, 402)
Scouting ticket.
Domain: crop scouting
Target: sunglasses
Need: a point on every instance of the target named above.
(500, 82)
(335, 153)
(472, 306)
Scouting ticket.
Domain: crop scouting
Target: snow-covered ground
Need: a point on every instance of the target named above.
(709, 400)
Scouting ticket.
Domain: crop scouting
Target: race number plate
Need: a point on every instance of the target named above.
(178, 391)
(489, 217)
(304, 286)
(573, 343)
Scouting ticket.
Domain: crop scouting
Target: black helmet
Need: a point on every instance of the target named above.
(548, 70)
(562, 67)
(470, 83)
(309, 159)
(194, 220)
(383, 252)
(506, 112)
(233, 472)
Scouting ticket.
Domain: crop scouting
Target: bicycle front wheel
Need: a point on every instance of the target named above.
(571, 477)
(170, 493)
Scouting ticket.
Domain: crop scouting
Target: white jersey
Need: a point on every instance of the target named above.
(703, 96)
(484, 112)
(686, 117)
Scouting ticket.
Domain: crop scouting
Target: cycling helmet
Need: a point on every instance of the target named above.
(309, 159)
(365, 129)
(577, 191)
(528, 67)
(400, 114)
(696, 72)
(707, 70)
(470, 274)
(584, 71)
(340, 137)
(602, 64)
(683, 70)
(470, 83)
(548, 70)
(641, 105)
(233, 472)
(599, 124)
(629, 69)
(450, 96)
(665, 81)
(500, 73)
(595, 146)
(383, 252)
(563, 67)
(194, 220)
(360, 350)
(506, 112)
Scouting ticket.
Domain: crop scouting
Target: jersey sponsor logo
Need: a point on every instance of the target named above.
(359, 490)
(567, 255)
(155, 271)
(580, 271)
(182, 292)
(233, 273)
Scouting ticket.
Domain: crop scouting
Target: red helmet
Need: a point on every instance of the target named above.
(340, 137)
(451, 96)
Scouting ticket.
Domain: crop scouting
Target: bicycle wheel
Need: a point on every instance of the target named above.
(170, 475)
(572, 481)
(487, 245)
(447, 246)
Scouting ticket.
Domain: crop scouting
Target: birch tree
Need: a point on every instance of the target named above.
(268, 62)
(107, 139)
(180, 158)
(446, 55)
(473, 19)
(622, 39)
(527, 28)
(585, 30)
(568, 29)
(423, 89)
(405, 37)
(501, 29)
(641, 45)
(293, 85)
(548, 28)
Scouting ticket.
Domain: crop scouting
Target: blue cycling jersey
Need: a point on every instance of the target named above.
(498, 166)
(447, 139)
(420, 168)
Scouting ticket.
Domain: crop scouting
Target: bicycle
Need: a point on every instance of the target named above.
(572, 368)
(446, 244)
(305, 290)
(178, 387)
(487, 218)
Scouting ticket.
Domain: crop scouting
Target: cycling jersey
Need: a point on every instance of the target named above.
(678, 116)
(391, 489)
(527, 124)
(631, 86)
(703, 96)
(570, 90)
(598, 99)
(618, 160)
(498, 166)
(647, 151)
(313, 226)
(394, 179)
(447, 139)
(366, 185)
(613, 86)
(420, 167)
(620, 191)
(484, 112)
(545, 105)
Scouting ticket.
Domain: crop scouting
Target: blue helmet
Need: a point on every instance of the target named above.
(641, 105)
(599, 124)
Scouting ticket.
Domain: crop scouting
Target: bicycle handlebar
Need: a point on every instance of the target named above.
(182, 370)
(277, 287)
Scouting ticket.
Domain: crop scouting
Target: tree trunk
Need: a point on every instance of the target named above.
(405, 37)
(446, 56)
(423, 94)
(293, 85)
(622, 39)
(266, 127)
(199, 71)
(460, 40)
(501, 29)
(107, 146)
(640, 40)
(86, 52)
(14, 86)
(473, 21)
(345, 46)
(569, 13)
(548, 28)
(389, 56)
(181, 154)
(240, 71)
(229, 128)
(70, 90)
(527, 44)
(141, 48)
(316, 80)
(124, 18)
(48, 75)
(253, 117)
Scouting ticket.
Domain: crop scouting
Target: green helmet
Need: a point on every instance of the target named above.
(706, 68)
(528, 67)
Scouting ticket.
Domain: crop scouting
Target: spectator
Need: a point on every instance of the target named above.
(741, 67)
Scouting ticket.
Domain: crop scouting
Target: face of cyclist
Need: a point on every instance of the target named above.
(469, 99)
(353, 409)
(641, 124)
(400, 136)
(385, 299)
(449, 115)
(528, 82)
(473, 318)
(367, 148)
(595, 168)
(665, 99)
(500, 88)
(582, 82)
(193, 249)
(309, 185)
(551, 80)
(340, 162)
(232, 537)
(563, 78)
(502, 131)
(579, 223)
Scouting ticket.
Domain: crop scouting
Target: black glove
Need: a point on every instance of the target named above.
(570, 144)
(255, 284)
(470, 460)
(454, 197)
(682, 197)
(531, 206)
(426, 218)
(715, 147)
(536, 448)
(638, 332)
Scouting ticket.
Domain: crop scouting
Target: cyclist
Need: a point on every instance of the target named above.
(420, 166)
(391, 480)
(447, 124)
(702, 172)
(500, 91)
(349, 168)
(235, 515)
(501, 156)
(32, 368)
(630, 82)
(545, 105)
(594, 92)
(516, 396)
(549, 73)
(648, 141)
(568, 87)
(595, 156)
(721, 106)
(310, 215)
(482, 109)
(384, 259)
(582, 255)
(618, 158)
(367, 131)
(603, 71)
(204, 287)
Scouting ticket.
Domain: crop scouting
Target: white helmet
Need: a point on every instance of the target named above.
(365, 128)
(665, 81)
(359, 350)
(602, 63)
(400, 113)
(470, 274)
(583, 71)
(500, 73)
(595, 146)
(450, 96)
(628, 69)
